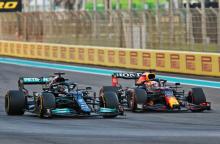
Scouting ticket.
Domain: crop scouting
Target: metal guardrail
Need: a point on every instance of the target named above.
(180, 29)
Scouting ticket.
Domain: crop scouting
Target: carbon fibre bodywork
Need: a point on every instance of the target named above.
(146, 96)
(59, 97)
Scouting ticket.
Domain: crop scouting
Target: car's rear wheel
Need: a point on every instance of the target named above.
(46, 103)
(15, 102)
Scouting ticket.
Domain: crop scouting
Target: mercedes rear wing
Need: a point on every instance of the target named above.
(32, 81)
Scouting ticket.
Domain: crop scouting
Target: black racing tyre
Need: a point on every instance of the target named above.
(109, 89)
(46, 101)
(112, 89)
(132, 101)
(138, 96)
(110, 100)
(15, 102)
(197, 96)
(141, 96)
(129, 94)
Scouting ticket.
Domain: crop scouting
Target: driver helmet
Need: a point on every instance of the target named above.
(152, 84)
(155, 84)
(62, 89)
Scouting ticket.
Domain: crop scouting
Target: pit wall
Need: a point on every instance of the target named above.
(166, 61)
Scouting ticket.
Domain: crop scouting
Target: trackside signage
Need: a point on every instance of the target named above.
(167, 61)
(10, 5)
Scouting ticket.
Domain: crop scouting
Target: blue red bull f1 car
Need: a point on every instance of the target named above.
(154, 94)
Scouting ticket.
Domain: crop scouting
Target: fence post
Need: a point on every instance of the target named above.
(143, 3)
(188, 22)
(130, 4)
(76, 5)
(204, 33)
(26, 4)
(25, 34)
(94, 5)
(117, 4)
(51, 5)
(158, 23)
(171, 38)
(108, 4)
(36, 5)
(44, 5)
(83, 5)
(144, 31)
(95, 19)
(218, 24)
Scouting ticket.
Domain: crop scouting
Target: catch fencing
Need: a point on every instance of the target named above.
(180, 29)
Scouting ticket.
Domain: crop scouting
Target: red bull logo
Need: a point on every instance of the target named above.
(171, 101)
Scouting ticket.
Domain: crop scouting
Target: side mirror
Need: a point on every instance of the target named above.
(88, 88)
(45, 89)
(72, 86)
(177, 84)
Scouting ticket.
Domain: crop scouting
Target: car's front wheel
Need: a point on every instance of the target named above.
(197, 96)
(45, 104)
(109, 100)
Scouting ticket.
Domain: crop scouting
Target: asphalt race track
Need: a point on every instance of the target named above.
(153, 128)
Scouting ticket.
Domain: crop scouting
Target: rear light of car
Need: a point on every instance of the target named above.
(114, 81)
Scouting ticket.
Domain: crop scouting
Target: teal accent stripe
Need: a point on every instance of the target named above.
(107, 110)
(62, 111)
(72, 68)
(106, 72)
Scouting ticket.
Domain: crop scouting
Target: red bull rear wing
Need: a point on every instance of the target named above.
(128, 76)
(139, 77)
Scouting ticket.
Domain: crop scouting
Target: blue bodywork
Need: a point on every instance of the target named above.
(78, 96)
(85, 109)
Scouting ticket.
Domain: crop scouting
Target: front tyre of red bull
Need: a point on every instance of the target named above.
(197, 99)
(137, 100)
